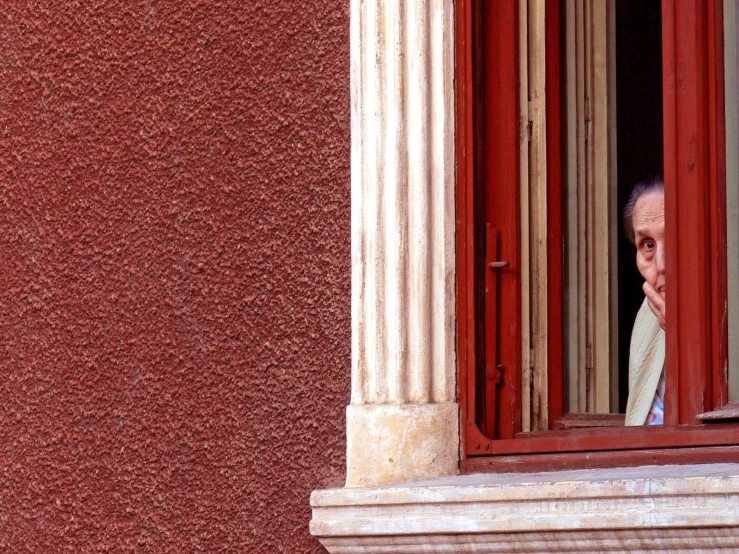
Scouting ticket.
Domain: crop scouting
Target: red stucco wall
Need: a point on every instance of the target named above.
(174, 272)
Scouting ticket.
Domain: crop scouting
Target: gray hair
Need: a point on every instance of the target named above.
(640, 189)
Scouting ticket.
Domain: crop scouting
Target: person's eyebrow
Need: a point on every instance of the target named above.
(641, 232)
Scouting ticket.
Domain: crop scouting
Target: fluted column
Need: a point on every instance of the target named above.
(403, 420)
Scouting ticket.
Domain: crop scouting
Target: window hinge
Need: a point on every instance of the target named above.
(531, 372)
(530, 122)
(589, 357)
(588, 367)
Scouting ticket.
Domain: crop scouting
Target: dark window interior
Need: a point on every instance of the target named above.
(639, 143)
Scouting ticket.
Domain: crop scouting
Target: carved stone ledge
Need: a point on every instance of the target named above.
(694, 507)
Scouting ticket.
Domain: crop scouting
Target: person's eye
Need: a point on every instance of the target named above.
(648, 244)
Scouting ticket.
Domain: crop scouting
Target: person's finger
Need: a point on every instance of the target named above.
(658, 314)
(647, 288)
(653, 295)
(658, 301)
(654, 309)
(655, 302)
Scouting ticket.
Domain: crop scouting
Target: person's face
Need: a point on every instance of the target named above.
(649, 233)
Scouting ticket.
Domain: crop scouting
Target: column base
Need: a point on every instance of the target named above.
(392, 443)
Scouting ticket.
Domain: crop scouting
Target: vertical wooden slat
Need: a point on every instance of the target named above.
(526, 331)
(572, 342)
(673, 388)
(582, 235)
(613, 224)
(687, 211)
(495, 110)
(465, 223)
(503, 198)
(589, 207)
(538, 214)
(600, 236)
(731, 149)
(717, 171)
(555, 255)
(693, 242)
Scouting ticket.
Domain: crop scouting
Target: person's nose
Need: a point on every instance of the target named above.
(660, 257)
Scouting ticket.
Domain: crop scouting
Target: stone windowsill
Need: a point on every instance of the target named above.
(645, 508)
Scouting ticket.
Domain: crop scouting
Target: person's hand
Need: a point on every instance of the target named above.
(656, 303)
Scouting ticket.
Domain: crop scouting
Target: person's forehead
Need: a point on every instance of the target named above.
(648, 212)
(649, 205)
(654, 196)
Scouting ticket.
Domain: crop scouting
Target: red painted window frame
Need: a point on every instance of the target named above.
(694, 154)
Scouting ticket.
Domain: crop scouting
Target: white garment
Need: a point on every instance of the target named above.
(646, 361)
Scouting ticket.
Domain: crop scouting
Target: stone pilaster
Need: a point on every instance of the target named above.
(403, 418)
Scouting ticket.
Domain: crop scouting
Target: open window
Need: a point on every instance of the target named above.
(563, 106)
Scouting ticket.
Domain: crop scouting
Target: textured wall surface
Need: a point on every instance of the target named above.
(174, 272)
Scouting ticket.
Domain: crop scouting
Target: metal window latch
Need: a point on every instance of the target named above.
(494, 374)
(498, 265)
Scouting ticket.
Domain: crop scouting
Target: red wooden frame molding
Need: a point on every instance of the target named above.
(464, 223)
(496, 143)
(600, 459)
(555, 207)
(695, 203)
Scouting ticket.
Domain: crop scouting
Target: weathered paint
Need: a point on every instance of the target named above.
(641, 509)
(174, 278)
